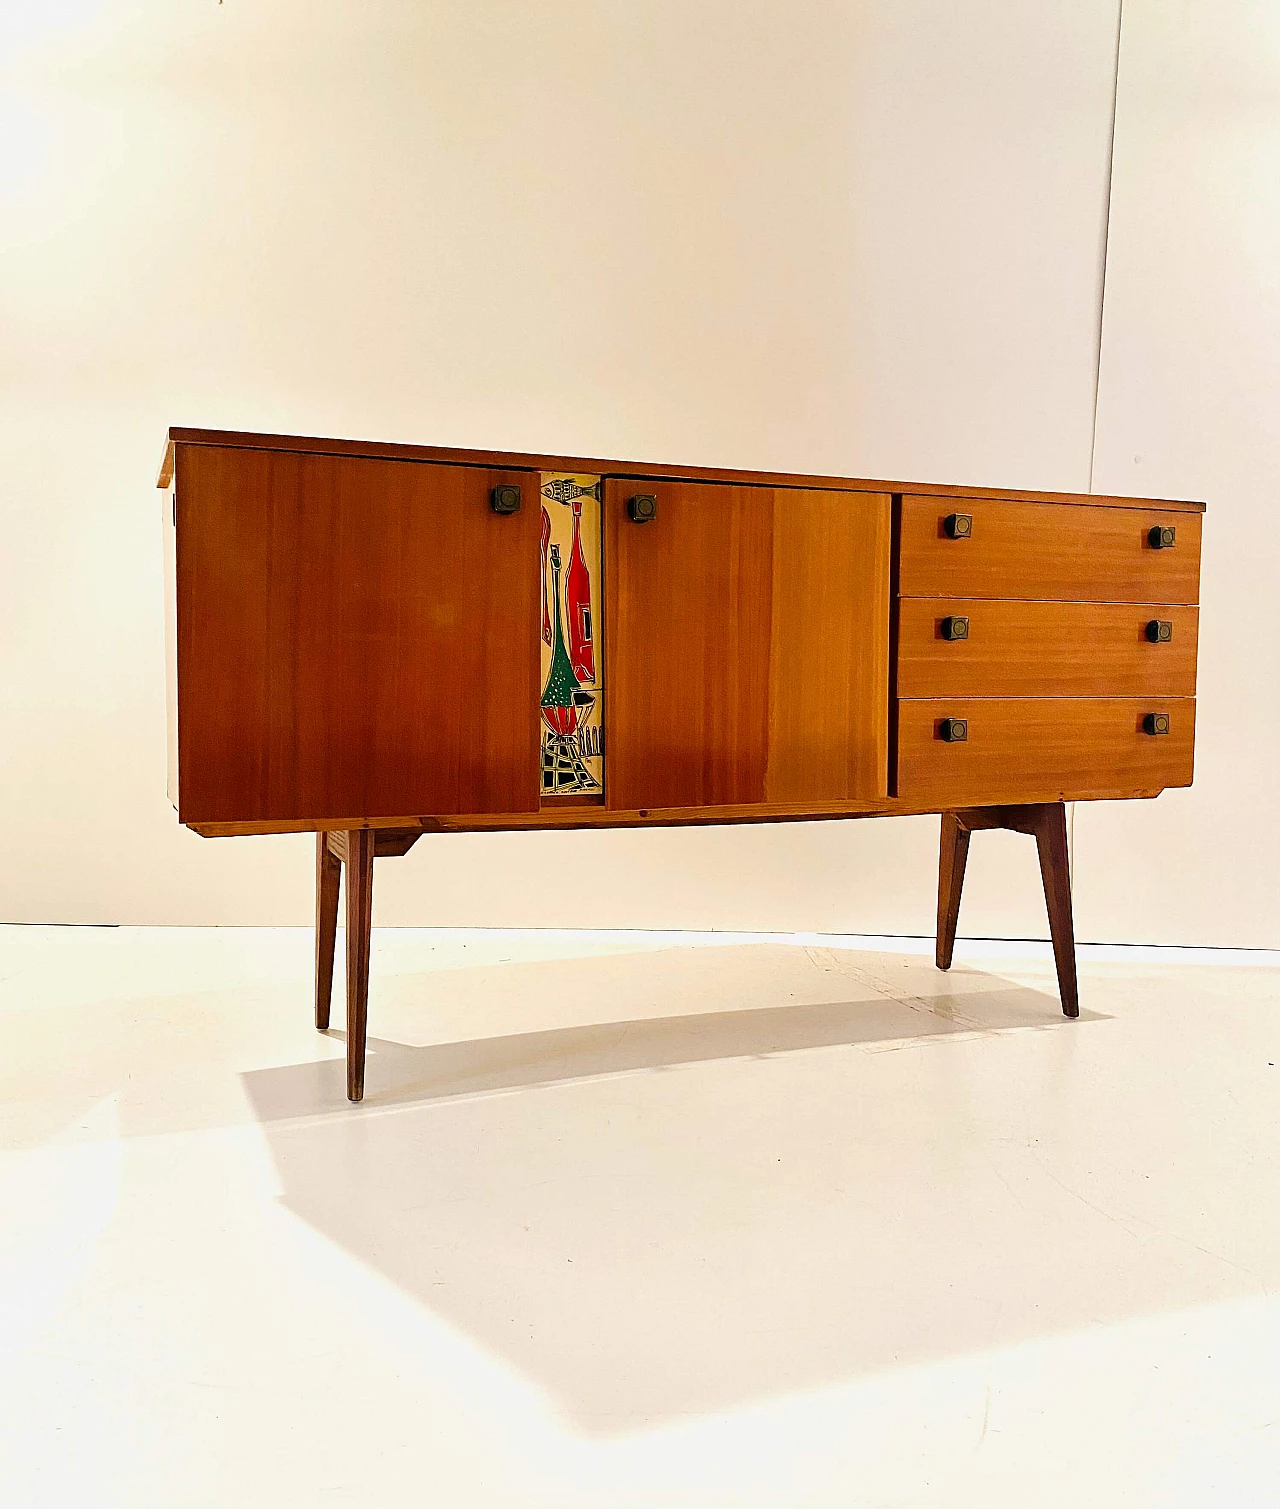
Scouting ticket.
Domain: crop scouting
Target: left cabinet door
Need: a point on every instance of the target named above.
(357, 638)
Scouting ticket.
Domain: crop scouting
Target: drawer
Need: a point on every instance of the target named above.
(1047, 550)
(1041, 749)
(1030, 649)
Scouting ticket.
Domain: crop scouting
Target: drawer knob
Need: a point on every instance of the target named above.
(1159, 631)
(1155, 723)
(1162, 536)
(958, 526)
(642, 509)
(955, 627)
(505, 499)
(953, 730)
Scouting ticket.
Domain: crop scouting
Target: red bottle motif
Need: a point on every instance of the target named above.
(577, 595)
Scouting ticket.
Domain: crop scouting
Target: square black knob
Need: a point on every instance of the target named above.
(1155, 723)
(953, 730)
(505, 499)
(1159, 631)
(1162, 536)
(642, 509)
(955, 627)
(958, 526)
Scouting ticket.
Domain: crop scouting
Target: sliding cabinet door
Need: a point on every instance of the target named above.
(746, 642)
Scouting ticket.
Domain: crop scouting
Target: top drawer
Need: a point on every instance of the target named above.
(1056, 551)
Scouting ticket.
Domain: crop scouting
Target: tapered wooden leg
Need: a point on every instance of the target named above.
(952, 854)
(1047, 822)
(328, 878)
(1055, 871)
(360, 847)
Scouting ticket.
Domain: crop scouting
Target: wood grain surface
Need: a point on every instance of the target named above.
(746, 645)
(1041, 749)
(537, 461)
(354, 636)
(357, 646)
(1047, 551)
(688, 613)
(829, 648)
(1029, 649)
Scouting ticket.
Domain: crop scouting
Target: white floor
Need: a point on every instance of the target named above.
(636, 1219)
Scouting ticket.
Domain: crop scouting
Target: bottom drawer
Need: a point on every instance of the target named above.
(1036, 750)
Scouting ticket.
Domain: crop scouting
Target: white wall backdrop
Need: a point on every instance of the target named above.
(1190, 403)
(864, 238)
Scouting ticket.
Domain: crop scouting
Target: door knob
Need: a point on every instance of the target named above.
(1155, 723)
(955, 627)
(643, 508)
(505, 499)
(1162, 536)
(958, 526)
(953, 730)
(1159, 631)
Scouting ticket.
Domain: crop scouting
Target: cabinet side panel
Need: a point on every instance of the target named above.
(168, 532)
(829, 660)
(357, 638)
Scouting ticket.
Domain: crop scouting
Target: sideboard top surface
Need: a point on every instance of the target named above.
(515, 460)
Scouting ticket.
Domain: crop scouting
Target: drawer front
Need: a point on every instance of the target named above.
(1041, 749)
(1038, 649)
(1047, 550)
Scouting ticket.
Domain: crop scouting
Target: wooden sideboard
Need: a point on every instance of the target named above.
(372, 642)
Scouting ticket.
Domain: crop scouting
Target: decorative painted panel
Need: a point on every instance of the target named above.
(572, 669)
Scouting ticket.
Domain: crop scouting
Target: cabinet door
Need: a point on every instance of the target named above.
(357, 638)
(746, 645)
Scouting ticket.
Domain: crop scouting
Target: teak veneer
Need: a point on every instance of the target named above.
(361, 646)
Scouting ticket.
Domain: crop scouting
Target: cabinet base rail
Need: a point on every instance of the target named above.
(356, 849)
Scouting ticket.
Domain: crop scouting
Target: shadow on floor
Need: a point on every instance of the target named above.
(678, 1214)
(834, 997)
(398, 1073)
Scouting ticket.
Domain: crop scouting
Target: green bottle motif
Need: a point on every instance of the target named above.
(557, 696)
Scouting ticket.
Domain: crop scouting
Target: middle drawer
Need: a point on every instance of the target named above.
(1028, 649)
